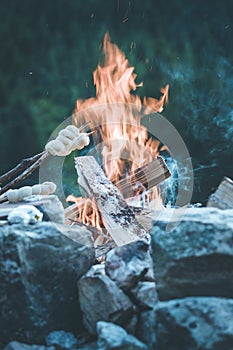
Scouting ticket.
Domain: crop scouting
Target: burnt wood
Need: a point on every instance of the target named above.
(118, 218)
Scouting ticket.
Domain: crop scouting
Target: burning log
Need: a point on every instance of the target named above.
(71, 212)
(148, 176)
(116, 215)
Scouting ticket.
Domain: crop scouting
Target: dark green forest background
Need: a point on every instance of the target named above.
(49, 50)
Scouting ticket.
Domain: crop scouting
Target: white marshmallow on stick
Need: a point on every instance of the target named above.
(26, 191)
(67, 141)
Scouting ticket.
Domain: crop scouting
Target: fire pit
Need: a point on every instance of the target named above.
(117, 268)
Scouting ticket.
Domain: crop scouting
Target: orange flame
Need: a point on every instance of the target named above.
(88, 212)
(126, 142)
(122, 133)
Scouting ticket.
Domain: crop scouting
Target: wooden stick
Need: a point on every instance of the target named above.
(34, 162)
(26, 172)
(19, 168)
(3, 199)
(116, 215)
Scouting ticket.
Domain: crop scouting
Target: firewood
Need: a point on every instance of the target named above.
(223, 196)
(148, 176)
(144, 216)
(71, 212)
(117, 217)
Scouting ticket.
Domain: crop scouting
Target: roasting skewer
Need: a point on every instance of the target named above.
(27, 167)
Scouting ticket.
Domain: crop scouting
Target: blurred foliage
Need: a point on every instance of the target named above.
(49, 50)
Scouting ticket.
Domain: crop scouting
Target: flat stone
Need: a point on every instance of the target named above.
(39, 269)
(194, 323)
(101, 299)
(196, 257)
(128, 264)
(112, 336)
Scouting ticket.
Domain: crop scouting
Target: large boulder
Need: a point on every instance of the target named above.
(39, 269)
(194, 323)
(196, 257)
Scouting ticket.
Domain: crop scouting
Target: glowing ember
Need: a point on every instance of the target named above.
(126, 145)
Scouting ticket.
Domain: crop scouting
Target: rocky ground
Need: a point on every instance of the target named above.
(176, 294)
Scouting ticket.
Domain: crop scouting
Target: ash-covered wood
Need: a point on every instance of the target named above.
(117, 217)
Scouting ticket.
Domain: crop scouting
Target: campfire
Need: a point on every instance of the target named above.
(121, 166)
(129, 156)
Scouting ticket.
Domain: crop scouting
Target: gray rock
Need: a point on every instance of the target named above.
(196, 258)
(128, 264)
(145, 294)
(194, 323)
(77, 233)
(14, 345)
(39, 269)
(111, 336)
(146, 328)
(61, 340)
(50, 206)
(101, 299)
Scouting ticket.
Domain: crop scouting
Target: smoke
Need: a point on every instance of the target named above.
(201, 108)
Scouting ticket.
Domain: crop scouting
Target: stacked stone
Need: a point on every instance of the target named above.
(176, 294)
(193, 266)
